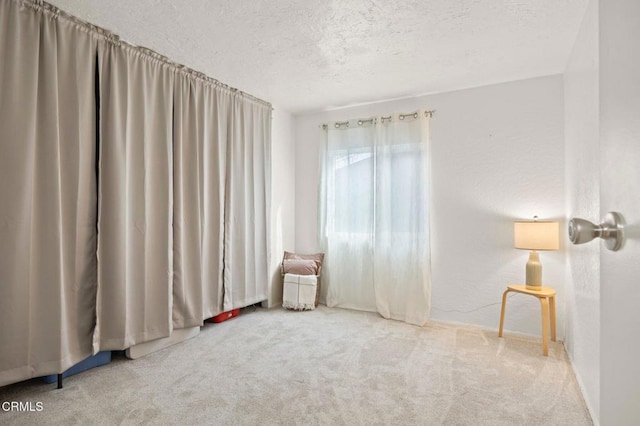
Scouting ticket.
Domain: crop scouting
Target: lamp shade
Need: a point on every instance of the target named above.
(538, 235)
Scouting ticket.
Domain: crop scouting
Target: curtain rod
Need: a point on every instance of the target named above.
(427, 113)
(54, 12)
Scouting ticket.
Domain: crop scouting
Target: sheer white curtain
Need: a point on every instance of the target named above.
(48, 193)
(347, 216)
(374, 217)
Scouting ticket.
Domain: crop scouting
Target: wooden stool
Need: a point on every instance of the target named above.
(547, 297)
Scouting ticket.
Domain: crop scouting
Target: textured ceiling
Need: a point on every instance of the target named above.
(304, 55)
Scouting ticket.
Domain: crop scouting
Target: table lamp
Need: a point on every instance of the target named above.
(535, 235)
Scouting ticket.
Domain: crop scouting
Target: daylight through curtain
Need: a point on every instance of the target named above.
(374, 217)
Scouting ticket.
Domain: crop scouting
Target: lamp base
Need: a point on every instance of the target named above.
(534, 272)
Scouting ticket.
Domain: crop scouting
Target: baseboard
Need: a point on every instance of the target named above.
(177, 336)
(488, 329)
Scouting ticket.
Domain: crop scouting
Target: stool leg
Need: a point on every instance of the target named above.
(552, 309)
(544, 302)
(504, 305)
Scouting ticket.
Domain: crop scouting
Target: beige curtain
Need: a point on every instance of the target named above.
(221, 182)
(134, 198)
(48, 193)
(201, 115)
(87, 219)
(246, 215)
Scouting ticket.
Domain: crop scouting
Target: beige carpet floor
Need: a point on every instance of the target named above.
(329, 366)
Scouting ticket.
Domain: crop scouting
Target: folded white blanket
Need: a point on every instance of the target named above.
(299, 292)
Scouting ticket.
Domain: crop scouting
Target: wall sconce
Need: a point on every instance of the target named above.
(535, 235)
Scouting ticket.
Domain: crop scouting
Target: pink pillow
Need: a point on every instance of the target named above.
(300, 266)
(316, 257)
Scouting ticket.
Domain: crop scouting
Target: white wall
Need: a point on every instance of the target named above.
(619, 24)
(582, 338)
(497, 155)
(282, 198)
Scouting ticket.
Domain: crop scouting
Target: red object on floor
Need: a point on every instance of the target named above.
(225, 315)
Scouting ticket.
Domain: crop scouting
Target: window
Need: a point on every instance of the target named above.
(374, 224)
